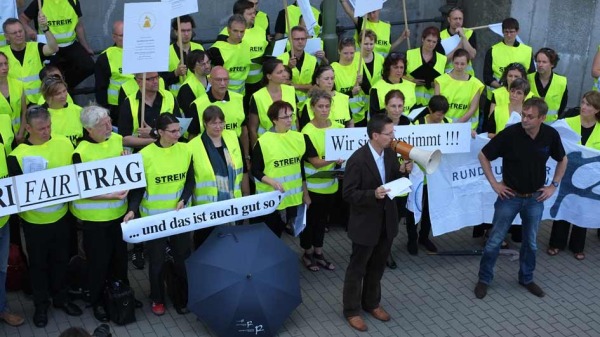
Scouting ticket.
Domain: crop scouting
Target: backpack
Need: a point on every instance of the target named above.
(17, 274)
(120, 303)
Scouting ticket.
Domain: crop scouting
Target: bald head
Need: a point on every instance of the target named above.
(219, 80)
(117, 33)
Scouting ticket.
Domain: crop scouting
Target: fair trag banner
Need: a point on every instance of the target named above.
(198, 217)
(63, 184)
(448, 138)
(460, 195)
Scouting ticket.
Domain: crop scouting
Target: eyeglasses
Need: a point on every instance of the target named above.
(299, 39)
(389, 134)
(174, 131)
(216, 124)
(284, 117)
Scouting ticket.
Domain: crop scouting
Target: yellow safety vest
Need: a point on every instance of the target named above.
(237, 61)
(168, 104)
(317, 137)
(257, 42)
(339, 112)
(382, 29)
(444, 34)
(12, 107)
(28, 72)
(114, 55)
(263, 101)
(261, 20)
(57, 151)
(303, 76)
(206, 185)
(459, 95)
(99, 210)
(503, 55)
(345, 78)
(282, 154)
(62, 20)
(3, 174)
(294, 15)
(554, 95)
(594, 139)
(174, 62)
(131, 87)
(414, 61)
(232, 109)
(66, 122)
(165, 170)
(7, 133)
(195, 85)
(501, 116)
(406, 87)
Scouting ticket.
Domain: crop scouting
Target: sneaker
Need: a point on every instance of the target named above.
(11, 319)
(158, 309)
(137, 258)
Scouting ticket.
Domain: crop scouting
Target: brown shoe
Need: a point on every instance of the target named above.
(11, 319)
(357, 323)
(380, 314)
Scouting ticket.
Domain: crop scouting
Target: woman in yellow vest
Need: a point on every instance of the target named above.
(277, 165)
(51, 70)
(424, 63)
(12, 103)
(105, 250)
(392, 78)
(65, 117)
(587, 125)
(518, 91)
(163, 159)
(196, 82)
(274, 90)
(372, 67)
(324, 79)
(219, 167)
(462, 91)
(320, 190)
(501, 95)
(547, 84)
(347, 78)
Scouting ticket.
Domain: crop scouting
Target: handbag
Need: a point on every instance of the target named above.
(120, 303)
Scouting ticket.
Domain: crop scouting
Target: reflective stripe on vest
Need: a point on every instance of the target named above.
(162, 197)
(100, 205)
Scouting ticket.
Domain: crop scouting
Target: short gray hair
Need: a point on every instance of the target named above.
(92, 114)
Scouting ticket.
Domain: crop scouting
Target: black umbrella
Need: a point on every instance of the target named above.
(243, 281)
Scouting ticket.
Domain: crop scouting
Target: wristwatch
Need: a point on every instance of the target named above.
(555, 183)
(46, 30)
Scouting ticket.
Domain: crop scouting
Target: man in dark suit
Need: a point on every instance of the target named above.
(373, 222)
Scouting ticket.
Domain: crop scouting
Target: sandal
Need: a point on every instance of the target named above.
(554, 251)
(320, 259)
(580, 256)
(309, 262)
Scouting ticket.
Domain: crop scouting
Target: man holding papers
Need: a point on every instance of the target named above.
(373, 221)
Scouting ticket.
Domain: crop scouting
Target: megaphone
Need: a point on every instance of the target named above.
(429, 160)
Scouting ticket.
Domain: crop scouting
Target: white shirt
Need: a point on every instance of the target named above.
(379, 162)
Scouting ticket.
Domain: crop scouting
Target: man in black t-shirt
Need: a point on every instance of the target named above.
(525, 148)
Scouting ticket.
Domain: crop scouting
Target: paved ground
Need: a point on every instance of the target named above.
(426, 296)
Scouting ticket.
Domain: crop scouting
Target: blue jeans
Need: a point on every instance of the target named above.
(4, 245)
(505, 212)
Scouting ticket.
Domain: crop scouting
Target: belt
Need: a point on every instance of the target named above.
(524, 195)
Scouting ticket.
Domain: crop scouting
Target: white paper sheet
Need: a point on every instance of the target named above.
(450, 43)
(414, 113)
(300, 222)
(34, 164)
(398, 187)
(313, 45)
(184, 123)
(279, 47)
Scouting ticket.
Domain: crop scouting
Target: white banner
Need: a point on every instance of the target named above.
(198, 217)
(63, 184)
(146, 33)
(182, 7)
(449, 138)
(460, 195)
(308, 16)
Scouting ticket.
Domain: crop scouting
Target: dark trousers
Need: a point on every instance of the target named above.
(411, 226)
(181, 245)
(201, 235)
(362, 283)
(48, 250)
(75, 62)
(560, 233)
(106, 254)
(316, 219)
(274, 221)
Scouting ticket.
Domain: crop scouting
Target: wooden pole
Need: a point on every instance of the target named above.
(180, 41)
(143, 111)
(405, 22)
(478, 27)
(289, 27)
